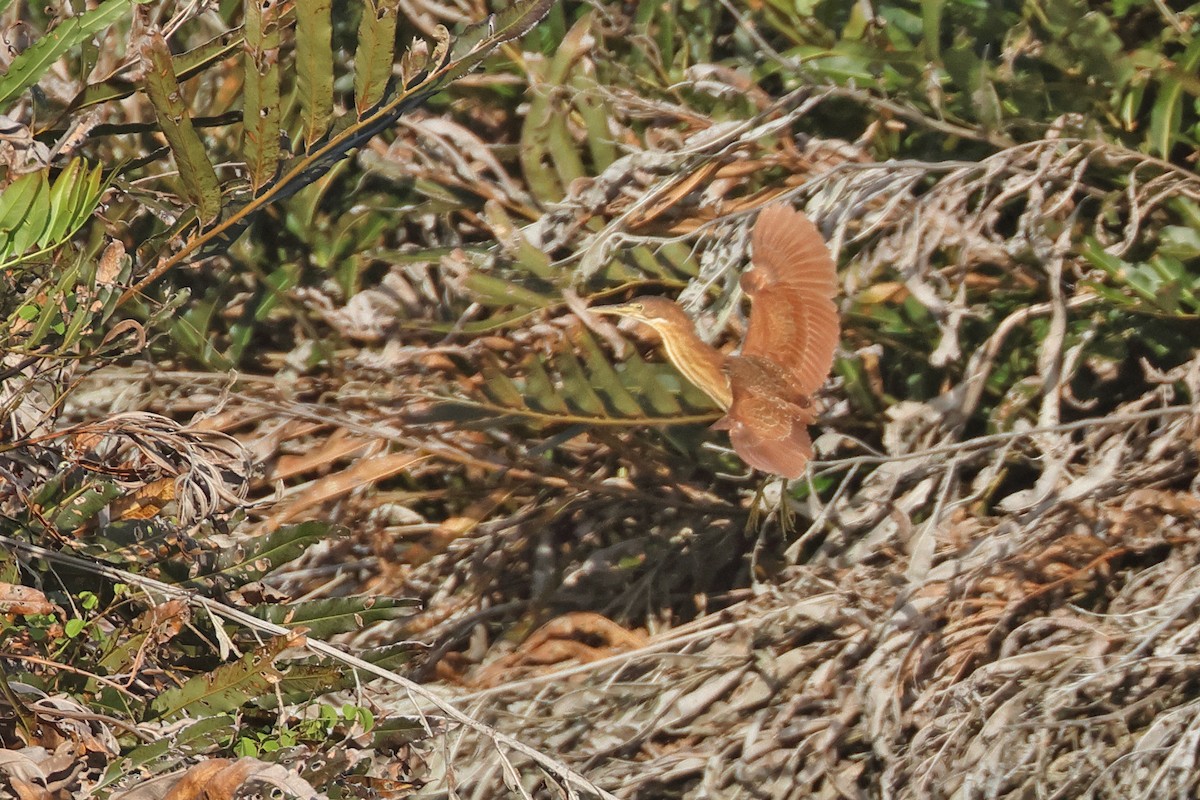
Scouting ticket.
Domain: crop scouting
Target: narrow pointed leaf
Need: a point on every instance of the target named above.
(390, 656)
(226, 688)
(605, 378)
(539, 389)
(649, 265)
(84, 505)
(331, 616)
(47, 318)
(548, 155)
(249, 562)
(186, 65)
(536, 163)
(28, 67)
(497, 291)
(576, 387)
(260, 107)
(67, 191)
(1167, 114)
(375, 52)
(516, 20)
(37, 217)
(314, 65)
(645, 381)
(16, 202)
(515, 244)
(595, 111)
(499, 388)
(473, 45)
(195, 171)
(303, 682)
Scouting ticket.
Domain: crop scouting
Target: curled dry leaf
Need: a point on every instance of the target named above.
(35, 773)
(221, 779)
(163, 622)
(110, 263)
(16, 599)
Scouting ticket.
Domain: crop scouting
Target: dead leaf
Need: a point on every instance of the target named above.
(16, 599)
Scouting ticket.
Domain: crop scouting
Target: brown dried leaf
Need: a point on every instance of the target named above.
(15, 599)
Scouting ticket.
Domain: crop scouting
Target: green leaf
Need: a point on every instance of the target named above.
(644, 380)
(515, 20)
(540, 389)
(19, 208)
(124, 654)
(226, 688)
(314, 65)
(1181, 241)
(604, 377)
(549, 158)
(931, 22)
(195, 170)
(28, 67)
(85, 504)
(577, 387)
(49, 318)
(62, 200)
(277, 284)
(596, 112)
(375, 53)
(322, 675)
(139, 756)
(391, 732)
(496, 385)
(251, 560)
(73, 199)
(474, 44)
(37, 217)
(1180, 285)
(1167, 113)
(497, 291)
(514, 243)
(303, 682)
(185, 65)
(390, 656)
(260, 104)
(325, 618)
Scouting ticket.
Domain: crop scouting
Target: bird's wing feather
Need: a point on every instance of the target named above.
(786, 456)
(766, 429)
(793, 319)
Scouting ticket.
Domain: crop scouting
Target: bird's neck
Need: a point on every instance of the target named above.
(700, 363)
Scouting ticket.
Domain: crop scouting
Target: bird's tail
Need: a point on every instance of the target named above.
(786, 456)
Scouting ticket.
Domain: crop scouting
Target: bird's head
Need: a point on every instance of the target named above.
(695, 359)
(657, 312)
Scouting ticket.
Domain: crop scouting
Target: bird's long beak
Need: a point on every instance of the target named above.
(617, 310)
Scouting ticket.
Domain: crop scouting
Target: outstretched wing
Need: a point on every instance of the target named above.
(793, 319)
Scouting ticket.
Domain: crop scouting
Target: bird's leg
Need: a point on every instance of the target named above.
(786, 517)
(756, 508)
(765, 560)
(767, 503)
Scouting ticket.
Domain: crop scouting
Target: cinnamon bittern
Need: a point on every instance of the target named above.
(765, 389)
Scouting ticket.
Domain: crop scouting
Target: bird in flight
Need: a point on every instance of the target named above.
(766, 388)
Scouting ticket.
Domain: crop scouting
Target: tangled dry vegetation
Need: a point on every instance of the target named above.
(390, 388)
